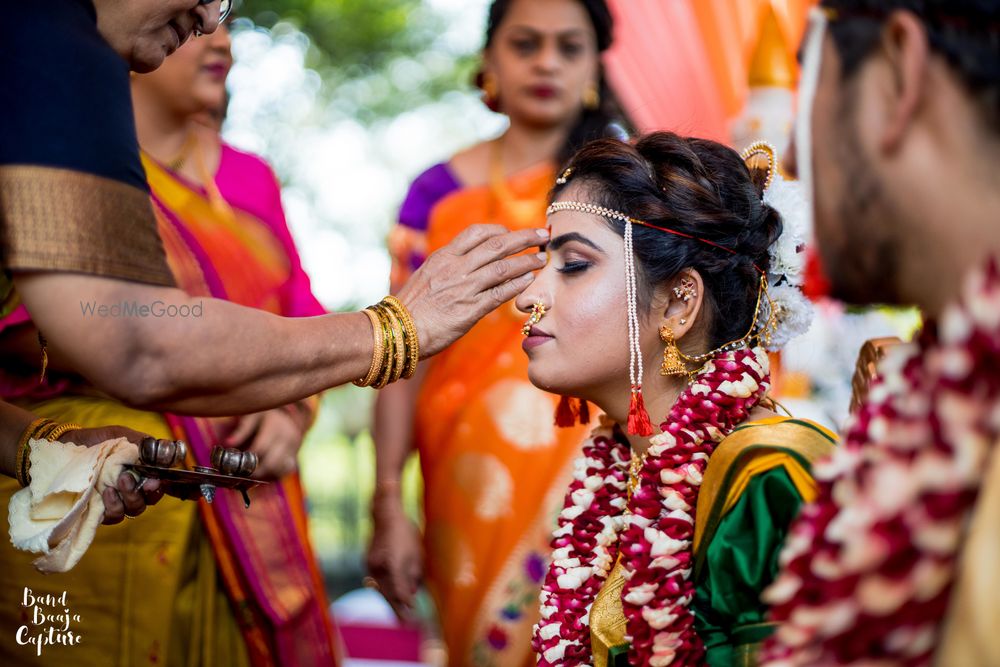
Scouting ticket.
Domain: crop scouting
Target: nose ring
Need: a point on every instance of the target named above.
(537, 313)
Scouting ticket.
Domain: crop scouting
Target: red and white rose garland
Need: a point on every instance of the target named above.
(867, 569)
(656, 526)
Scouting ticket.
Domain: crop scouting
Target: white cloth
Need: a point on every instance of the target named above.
(58, 514)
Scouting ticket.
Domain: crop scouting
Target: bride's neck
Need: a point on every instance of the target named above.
(659, 394)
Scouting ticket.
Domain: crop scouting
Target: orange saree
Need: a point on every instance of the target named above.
(494, 464)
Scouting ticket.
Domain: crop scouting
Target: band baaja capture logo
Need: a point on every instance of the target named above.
(48, 621)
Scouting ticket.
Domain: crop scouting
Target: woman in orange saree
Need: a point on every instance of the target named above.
(492, 458)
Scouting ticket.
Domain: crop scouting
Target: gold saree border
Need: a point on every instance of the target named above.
(608, 625)
(793, 443)
(54, 219)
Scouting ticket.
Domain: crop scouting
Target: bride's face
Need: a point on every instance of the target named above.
(580, 347)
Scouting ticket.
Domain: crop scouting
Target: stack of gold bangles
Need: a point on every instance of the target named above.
(396, 347)
(40, 429)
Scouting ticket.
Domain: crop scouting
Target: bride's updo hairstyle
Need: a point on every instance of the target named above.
(706, 195)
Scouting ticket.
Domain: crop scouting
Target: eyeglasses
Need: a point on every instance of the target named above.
(225, 7)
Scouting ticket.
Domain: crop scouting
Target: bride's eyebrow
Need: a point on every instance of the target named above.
(563, 239)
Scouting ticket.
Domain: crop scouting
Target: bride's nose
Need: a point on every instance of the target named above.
(531, 296)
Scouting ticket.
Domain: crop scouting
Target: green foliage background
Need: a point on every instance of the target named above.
(377, 58)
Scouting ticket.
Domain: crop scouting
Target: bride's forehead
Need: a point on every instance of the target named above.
(565, 222)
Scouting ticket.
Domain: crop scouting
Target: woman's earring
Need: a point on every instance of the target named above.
(673, 364)
(686, 291)
(591, 97)
(491, 89)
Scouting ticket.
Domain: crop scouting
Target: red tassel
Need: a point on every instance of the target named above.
(584, 412)
(566, 412)
(638, 418)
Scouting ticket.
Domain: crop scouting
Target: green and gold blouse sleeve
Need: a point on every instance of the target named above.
(739, 562)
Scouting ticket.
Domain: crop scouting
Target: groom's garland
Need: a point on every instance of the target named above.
(867, 569)
(656, 525)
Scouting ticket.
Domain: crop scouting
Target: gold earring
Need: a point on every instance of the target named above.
(591, 98)
(491, 89)
(537, 313)
(673, 364)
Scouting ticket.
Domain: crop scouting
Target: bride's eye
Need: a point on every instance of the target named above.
(574, 267)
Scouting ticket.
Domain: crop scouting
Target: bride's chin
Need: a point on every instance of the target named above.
(538, 378)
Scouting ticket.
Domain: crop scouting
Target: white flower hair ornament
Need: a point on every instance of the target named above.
(792, 310)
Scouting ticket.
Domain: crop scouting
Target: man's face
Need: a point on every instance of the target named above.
(855, 231)
(144, 32)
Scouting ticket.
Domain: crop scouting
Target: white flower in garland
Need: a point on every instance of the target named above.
(793, 314)
(788, 257)
(793, 311)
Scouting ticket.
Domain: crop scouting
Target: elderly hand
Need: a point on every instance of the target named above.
(275, 436)
(462, 282)
(124, 499)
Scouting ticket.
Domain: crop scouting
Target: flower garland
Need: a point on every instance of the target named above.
(656, 525)
(867, 569)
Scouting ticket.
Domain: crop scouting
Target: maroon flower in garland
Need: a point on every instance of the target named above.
(659, 520)
(867, 575)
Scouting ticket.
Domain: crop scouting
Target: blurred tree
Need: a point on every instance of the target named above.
(377, 58)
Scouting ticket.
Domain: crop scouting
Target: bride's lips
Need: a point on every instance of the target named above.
(536, 337)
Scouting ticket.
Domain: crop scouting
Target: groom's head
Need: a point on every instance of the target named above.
(908, 91)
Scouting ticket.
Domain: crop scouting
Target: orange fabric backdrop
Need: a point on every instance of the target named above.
(683, 65)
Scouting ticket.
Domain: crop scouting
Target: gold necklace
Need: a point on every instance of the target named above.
(522, 212)
(181, 157)
(634, 469)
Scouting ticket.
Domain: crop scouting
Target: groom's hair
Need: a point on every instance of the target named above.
(965, 33)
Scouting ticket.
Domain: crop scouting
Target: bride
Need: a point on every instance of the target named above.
(667, 260)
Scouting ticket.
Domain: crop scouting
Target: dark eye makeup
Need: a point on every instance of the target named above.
(576, 266)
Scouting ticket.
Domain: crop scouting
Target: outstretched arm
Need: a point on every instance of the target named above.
(232, 359)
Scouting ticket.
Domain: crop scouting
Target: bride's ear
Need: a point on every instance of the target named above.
(681, 300)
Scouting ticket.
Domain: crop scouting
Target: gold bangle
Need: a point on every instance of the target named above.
(60, 430)
(398, 344)
(42, 432)
(389, 344)
(410, 334)
(378, 353)
(22, 461)
(397, 332)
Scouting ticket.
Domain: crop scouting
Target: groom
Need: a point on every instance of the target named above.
(905, 157)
